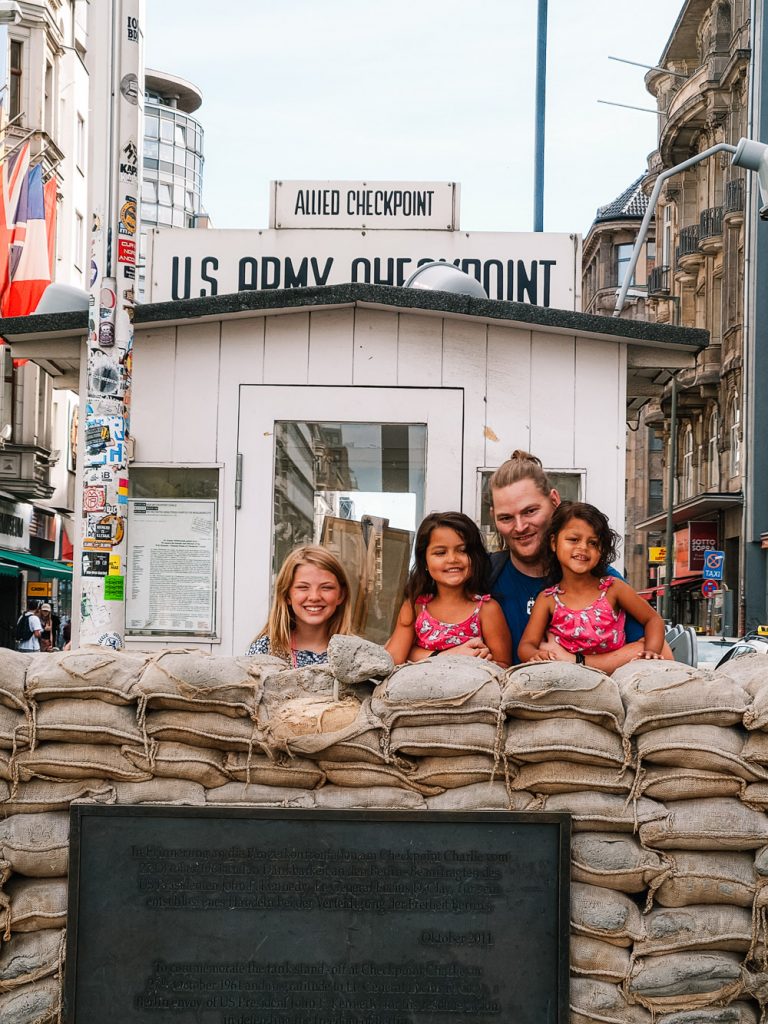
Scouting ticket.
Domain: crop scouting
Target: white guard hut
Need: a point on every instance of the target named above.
(341, 415)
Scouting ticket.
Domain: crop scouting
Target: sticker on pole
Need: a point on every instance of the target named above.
(714, 562)
(708, 588)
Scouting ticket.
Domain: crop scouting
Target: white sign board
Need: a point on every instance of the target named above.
(538, 268)
(14, 525)
(171, 567)
(404, 205)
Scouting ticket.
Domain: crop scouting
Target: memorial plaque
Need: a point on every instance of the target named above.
(252, 916)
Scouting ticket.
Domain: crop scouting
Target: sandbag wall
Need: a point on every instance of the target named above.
(663, 768)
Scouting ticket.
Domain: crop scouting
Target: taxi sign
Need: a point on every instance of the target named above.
(714, 562)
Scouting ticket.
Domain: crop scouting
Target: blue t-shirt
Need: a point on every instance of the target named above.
(516, 592)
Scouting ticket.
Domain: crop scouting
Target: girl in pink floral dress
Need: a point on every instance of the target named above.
(445, 607)
(585, 609)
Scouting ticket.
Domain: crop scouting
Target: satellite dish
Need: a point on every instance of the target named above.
(62, 298)
(445, 277)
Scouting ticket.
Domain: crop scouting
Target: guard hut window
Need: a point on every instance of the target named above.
(570, 484)
(358, 490)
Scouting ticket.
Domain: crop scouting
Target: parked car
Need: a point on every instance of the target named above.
(711, 650)
(747, 645)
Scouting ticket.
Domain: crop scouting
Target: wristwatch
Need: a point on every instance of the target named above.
(580, 660)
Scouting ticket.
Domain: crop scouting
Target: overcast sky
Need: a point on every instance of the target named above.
(415, 90)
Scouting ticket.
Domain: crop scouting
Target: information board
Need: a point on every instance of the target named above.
(171, 567)
(251, 916)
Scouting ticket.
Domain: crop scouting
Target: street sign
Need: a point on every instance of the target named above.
(657, 556)
(708, 588)
(714, 561)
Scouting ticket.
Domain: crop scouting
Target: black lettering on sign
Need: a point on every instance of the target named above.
(317, 202)
(205, 263)
(176, 291)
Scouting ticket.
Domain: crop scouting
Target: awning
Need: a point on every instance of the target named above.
(8, 570)
(679, 582)
(693, 508)
(58, 570)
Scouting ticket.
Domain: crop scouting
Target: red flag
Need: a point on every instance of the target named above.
(49, 196)
(28, 271)
(14, 174)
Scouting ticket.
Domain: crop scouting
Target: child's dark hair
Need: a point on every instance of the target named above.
(607, 538)
(419, 580)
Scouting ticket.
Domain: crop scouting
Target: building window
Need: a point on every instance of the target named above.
(686, 489)
(655, 443)
(623, 256)
(735, 439)
(666, 237)
(655, 497)
(713, 458)
(79, 240)
(48, 100)
(80, 142)
(650, 256)
(14, 85)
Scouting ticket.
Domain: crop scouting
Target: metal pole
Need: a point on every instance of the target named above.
(541, 100)
(669, 539)
(116, 131)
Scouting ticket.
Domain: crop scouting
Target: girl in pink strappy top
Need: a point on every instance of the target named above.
(585, 610)
(445, 608)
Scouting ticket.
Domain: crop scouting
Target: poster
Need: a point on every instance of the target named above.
(171, 566)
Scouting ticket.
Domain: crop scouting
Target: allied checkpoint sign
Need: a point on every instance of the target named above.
(253, 916)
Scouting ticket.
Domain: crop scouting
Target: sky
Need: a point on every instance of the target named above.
(416, 90)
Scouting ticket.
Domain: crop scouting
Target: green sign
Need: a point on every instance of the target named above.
(114, 588)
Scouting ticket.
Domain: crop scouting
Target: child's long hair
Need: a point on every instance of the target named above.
(607, 538)
(281, 621)
(419, 580)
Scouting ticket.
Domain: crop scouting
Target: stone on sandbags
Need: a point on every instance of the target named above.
(718, 824)
(564, 739)
(480, 796)
(13, 672)
(605, 914)
(42, 795)
(676, 929)
(705, 747)
(38, 1003)
(260, 770)
(77, 761)
(605, 812)
(353, 660)
(168, 760)
(36, 845)
(89, 672)
(599, 959)
(699, 877)
(448, 690)
(673, 783)
(683, 981)
(592, 1000)
(665, 693)
(195, 681)
(35, 903)
(29, 956)
(569, 777)
(560, 689)
(614, 860)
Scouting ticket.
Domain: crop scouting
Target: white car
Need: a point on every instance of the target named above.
(711, 650)
(746, 645)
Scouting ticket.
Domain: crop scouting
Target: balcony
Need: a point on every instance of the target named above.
(733, 207)
(658, 281)
(688, 256)
(711, 230)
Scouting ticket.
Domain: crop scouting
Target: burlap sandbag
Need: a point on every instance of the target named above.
(38, 1003)
(88, 672)
(750, 671)
(706, 747)
(240, 793)
(161, 791)
(14, 731)
(440, 691)
(699, 877)
(36, 845)
(605, 914)
(77, 761)
(598, 1002)
(29, 956)
(195, 681)
(719, 824)
(363, 774)
(662, 693)
(35, 903)
(375, 797)
(181, 761)
(598, 959)
(317, 725)
(756, 795)
(569, 777)
(756, 748)
(444, 740)
(736, 1013)
(605, 812)
(761, 862)
(560, 689)
(294, 772)
(39, 796)
(5, 765)
(675, 930)
(614, 860)
(480, 796)
(683, 981)
(13, 671)
(564, 739)
(675, 783)
(203, 729)
(456, 772)
(353, 660)
(79, 721)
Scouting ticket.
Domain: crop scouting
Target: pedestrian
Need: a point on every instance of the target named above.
(447, 607)
(310, 605)
(28, 629)
(48, 631)
(584, 609)
(522, 504)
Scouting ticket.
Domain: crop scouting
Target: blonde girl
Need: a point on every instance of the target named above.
(310, 605)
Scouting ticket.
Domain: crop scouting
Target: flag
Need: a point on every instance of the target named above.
(49, 193)
(28, 271)
(12, 175)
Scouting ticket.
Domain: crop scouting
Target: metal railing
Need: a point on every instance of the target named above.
(734, 196)
(710, 222)
(658, 281)
(689, 241)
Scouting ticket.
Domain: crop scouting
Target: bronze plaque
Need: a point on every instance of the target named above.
(250, 916)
